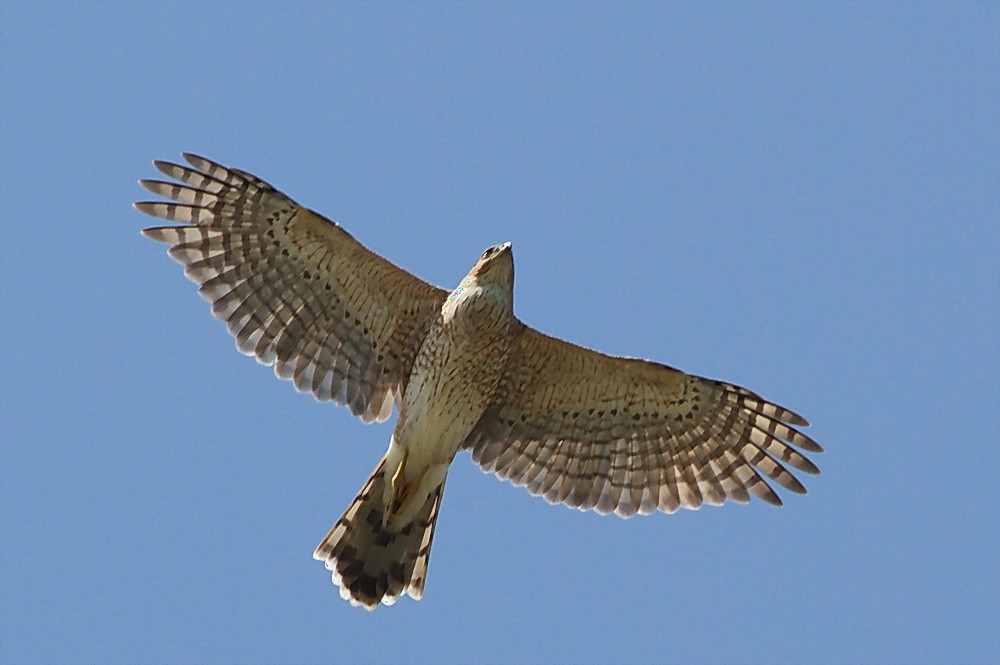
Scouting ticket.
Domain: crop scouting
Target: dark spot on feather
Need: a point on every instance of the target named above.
(366, 586)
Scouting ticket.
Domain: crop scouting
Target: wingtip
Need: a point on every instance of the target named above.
(148, 184)
(806, 443)
(792, 418)
(195, 159)
(771, 498)
(145, 207)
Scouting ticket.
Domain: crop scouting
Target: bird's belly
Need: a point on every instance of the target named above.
(439, 412)
(448, 391)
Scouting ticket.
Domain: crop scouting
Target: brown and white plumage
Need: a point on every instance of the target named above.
(372, 565)
(576, 426)
(626, 436)
(297, 291)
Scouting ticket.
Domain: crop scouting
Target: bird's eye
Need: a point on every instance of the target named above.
(487, 252)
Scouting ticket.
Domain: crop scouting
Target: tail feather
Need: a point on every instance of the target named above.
(373, 561)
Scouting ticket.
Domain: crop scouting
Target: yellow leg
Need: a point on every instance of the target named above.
(398, 486)
(402, 490)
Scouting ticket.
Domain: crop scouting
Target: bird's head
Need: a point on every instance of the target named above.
(495, 266)
(492, 275)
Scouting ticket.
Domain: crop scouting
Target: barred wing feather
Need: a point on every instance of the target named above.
(631, 436)
(295, 290)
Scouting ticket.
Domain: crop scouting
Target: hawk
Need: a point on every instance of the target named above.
(578, 427)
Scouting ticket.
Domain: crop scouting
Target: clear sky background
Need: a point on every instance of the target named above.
(798, 197)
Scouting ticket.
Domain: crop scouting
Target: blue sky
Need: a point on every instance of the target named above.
(798, 197)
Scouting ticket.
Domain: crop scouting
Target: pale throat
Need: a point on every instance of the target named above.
(466, 284)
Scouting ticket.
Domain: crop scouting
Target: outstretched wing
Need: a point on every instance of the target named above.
(295, 289)
(628, 436)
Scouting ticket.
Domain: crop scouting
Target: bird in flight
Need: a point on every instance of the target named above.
(578, 427)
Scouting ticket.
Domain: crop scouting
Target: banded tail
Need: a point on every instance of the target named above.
(375, 561)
